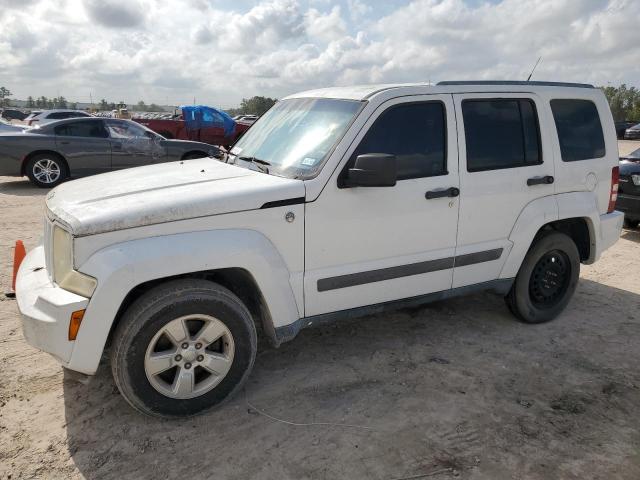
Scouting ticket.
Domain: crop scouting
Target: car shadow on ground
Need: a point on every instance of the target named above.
(21, 187)
(455, 388)
(633, 235)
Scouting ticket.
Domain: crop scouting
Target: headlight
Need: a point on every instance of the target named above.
(63, 273)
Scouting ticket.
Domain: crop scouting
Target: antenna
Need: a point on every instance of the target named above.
(534, 69)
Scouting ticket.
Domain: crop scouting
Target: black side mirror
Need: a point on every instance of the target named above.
(373, 170)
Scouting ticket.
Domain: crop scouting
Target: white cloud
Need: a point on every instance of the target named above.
(160, 50)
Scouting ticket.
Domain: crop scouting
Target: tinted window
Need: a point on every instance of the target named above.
(82, 129)
(57, 115)
(501, 134)
(579, 129)
(415, 134)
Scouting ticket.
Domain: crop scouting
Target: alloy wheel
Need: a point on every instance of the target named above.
(189, 356)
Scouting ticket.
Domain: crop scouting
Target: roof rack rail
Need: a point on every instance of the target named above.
(516, 82)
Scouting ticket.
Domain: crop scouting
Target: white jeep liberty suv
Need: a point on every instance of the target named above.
(337, 202)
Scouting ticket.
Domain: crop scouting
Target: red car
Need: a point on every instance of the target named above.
(203, 124)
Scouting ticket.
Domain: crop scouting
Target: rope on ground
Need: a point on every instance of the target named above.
(302, 424)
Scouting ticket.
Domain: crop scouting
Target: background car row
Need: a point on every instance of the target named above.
(84, 146)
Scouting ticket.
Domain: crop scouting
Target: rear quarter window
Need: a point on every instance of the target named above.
(579, 129)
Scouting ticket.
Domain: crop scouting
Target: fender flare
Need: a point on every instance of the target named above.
(543, 211)
(121, 267)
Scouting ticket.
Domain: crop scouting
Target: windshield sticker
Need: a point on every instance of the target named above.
(308, 161)
(236, 151)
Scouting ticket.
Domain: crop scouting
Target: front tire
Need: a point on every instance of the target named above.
(547, 279)
(182, 348)
(46, 170)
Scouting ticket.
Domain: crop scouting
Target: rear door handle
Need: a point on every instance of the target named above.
(65, 143)
(445, 192)
(546, 180)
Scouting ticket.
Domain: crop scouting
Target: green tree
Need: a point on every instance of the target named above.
(73, 105)
(30, 102)
(255, 105)
(624, 102)
(60, 102)
(4, 96)
(103, 105)
(42, 102)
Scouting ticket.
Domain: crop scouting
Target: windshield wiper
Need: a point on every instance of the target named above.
(261, 164)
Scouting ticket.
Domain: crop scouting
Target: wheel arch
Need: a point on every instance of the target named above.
(244, 261)
(238, 280)
(575, 214)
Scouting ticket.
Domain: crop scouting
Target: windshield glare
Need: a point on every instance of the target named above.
(296, 135)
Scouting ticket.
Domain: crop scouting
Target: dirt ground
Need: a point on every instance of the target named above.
(457, 389)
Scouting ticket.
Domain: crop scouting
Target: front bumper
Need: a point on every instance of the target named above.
(630, 205)
(46, 308)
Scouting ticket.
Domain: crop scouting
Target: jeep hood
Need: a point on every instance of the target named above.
(165, 192)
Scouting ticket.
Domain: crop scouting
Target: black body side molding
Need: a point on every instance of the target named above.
(284, 203)
(382, 274)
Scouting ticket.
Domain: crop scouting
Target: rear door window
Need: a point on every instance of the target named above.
(92, 129)
(501, 133)
(579, 129)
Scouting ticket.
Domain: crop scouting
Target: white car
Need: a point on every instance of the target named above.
(338, 202)
(47, 116)
(6, 127)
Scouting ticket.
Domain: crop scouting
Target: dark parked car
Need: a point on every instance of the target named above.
(13, 114)
(632, 133)
(621, 127)
(629, 189)
(84, 146)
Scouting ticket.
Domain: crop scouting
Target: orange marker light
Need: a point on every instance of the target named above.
(18, 256)
(74, 323)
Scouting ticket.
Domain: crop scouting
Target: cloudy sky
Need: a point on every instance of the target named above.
(220, 51)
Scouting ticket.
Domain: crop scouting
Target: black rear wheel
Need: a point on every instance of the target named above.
(546, 280)
(628, 223)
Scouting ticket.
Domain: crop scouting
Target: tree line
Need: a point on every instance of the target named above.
(623, 100)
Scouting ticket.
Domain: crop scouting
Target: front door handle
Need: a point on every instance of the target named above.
(546, 180)
(445, 192)
(64, 143)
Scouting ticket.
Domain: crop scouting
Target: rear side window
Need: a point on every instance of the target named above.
(415, 133)
(579, 129)
(93, 129)
(501, 133)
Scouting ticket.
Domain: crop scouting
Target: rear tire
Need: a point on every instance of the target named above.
(630, 224)
(182, 348)
(547, 279)
(47, 170)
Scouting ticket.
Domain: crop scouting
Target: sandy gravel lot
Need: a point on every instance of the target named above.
(457, 389)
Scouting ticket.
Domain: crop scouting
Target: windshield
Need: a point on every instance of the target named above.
(295, 136)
